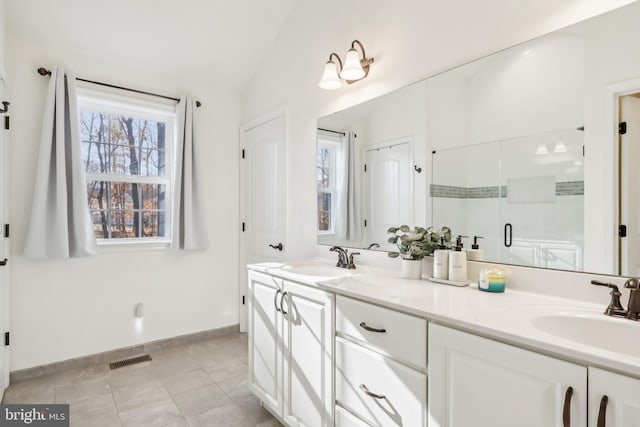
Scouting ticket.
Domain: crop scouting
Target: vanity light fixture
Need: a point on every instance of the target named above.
(355, 68)
(560, 147)
(542, 150)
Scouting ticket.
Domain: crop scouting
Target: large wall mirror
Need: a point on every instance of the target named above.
(520, 148)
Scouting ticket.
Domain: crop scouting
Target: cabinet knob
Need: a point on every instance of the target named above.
(275, 300)
(370, 329)
(284, 312)
(602, 413)
(370, 393)
(566, 413)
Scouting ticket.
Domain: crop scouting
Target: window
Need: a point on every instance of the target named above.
(128, 150)
(326, 182)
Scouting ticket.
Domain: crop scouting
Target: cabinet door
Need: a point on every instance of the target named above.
(308, 350)
(621, 408)
(475, 381)
(265, 355)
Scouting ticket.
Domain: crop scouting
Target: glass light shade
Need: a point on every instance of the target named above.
(542, 150)
(560, 147)
(330, 79)
(352, 69)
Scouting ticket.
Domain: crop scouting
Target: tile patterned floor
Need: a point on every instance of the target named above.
(198, 384)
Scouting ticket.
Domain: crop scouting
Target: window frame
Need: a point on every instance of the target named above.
(333, 145)
(111, 103)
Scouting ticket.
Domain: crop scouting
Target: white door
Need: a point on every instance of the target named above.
(307, 345)
(614, 399)
(630, 186)
(4, 253)
(263, 196)
(265, 343)
(475, 382)
(388, 182)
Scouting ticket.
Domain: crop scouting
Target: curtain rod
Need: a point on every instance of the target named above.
(332, 131)
(44, 72)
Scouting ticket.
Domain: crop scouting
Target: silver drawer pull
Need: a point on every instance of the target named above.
(370, 393)
(370, 329)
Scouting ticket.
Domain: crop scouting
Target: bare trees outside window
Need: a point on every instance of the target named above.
(128, 174)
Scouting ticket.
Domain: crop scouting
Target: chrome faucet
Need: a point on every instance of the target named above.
(342, 256)
(633, 309)
(373, 245)
(352, 264)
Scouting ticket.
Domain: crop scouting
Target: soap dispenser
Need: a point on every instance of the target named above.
(441, 261)
(458, 262)
(475, 253)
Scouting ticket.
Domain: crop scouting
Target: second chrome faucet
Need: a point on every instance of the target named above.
(345, 259)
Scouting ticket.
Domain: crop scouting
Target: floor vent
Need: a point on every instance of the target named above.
(127, 362)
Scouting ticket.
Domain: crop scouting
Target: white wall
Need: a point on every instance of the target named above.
(70, 308)
(409, 40)
(4, 244)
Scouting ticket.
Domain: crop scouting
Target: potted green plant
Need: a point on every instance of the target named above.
(414, 244)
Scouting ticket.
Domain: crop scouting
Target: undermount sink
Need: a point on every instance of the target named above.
(613, 334)
(318, 270)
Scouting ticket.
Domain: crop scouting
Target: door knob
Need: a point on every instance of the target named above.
(278, 246)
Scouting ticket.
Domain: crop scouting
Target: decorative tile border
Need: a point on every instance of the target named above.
(567, 188)
(449, 192)
(570, 188)
(483, 193)
(117, 354)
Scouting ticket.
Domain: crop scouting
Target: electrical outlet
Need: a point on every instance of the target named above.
(138, 310)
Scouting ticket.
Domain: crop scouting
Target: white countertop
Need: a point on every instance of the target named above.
(503, 316)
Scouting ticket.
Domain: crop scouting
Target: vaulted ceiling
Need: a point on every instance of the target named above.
(217, 41)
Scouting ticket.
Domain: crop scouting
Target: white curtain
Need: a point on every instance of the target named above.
(347, 227)
(60, 225)
(190, 226)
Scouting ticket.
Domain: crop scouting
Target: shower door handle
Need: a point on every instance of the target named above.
(508, 235)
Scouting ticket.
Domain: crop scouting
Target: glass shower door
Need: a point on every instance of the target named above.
(542, 199)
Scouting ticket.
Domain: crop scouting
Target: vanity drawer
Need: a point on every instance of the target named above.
(345, 419)
(378, 389)
(404, 336)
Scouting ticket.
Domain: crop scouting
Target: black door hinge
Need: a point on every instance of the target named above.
(365, 168)
(242, 299)
(622, 230)
(243, 153)
(6, 122)
(6, 338)
(622, 128)
(365, 222)
(6, 231)
(583, 151)
(243, 226)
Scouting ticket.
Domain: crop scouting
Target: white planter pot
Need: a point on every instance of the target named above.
(411, 269)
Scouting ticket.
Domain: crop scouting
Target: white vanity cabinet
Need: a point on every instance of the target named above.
(614, 400)
(291, 349)
(474, 381)
(380, 366)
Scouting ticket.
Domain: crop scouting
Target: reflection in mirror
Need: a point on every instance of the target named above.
(628, 206)
(523, 196)
(519, 148)
(338, 210)
(387, 135)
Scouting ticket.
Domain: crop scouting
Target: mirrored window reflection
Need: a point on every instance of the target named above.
(325, 180)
